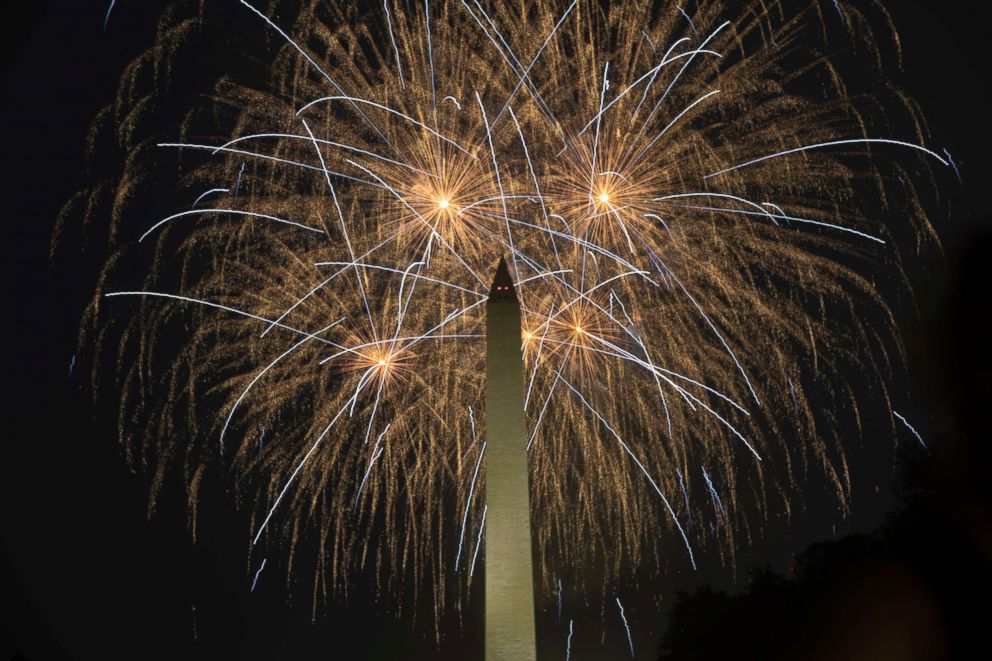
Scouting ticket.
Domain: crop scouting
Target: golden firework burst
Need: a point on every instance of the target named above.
(687, 205)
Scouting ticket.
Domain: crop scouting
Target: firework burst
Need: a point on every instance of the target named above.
(684, 219)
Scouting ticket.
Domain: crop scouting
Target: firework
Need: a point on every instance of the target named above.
(686, 221)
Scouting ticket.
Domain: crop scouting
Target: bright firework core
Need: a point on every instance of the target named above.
(442, 203)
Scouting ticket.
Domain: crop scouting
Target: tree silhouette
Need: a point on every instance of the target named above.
(911, 589)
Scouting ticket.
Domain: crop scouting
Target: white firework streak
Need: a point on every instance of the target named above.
(911, 428)
(626, 626)
(478, 541)
(257, 574)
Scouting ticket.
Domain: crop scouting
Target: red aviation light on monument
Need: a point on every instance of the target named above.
(502, 288)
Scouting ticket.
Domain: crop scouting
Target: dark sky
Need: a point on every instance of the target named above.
(85, 574)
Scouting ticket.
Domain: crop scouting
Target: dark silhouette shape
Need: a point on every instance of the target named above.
(913, 588)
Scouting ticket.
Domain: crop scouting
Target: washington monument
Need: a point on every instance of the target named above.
(509, 586)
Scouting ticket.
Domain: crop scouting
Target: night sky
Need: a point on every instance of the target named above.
(85, 573)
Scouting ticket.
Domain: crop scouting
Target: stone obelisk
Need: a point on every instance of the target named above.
(510, 634)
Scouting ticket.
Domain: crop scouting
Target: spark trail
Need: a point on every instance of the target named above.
(912, 429)
(626, 626)
(106, 18)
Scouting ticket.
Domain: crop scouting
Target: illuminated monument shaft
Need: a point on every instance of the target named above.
(509, 567)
